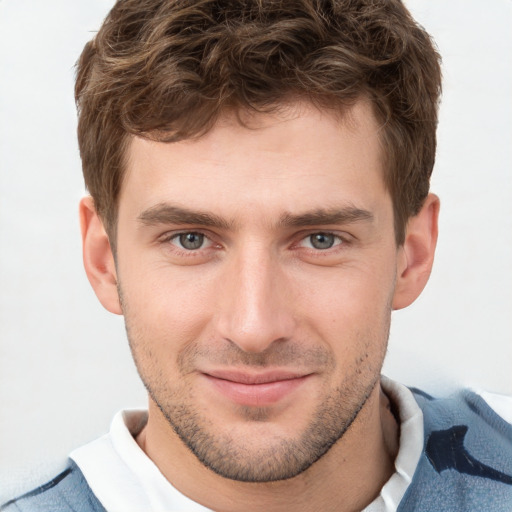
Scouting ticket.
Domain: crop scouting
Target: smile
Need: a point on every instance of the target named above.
(256, 390)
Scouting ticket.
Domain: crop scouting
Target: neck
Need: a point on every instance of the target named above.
(347, 478)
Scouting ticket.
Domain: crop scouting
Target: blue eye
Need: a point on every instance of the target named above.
(322, 240)
(190, 241)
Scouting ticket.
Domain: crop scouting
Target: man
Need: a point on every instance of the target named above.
(259, 179)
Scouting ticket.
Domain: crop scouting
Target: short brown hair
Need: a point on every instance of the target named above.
(167, 69)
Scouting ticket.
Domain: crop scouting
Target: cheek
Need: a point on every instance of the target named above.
(165, 307)
(349, 308)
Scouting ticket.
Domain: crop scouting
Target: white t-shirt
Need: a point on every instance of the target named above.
(123, 478)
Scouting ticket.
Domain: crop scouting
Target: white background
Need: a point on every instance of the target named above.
(64, 362)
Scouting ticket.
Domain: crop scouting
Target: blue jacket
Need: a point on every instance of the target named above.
(466, 465)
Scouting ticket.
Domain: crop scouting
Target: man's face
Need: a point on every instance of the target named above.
(256, 267)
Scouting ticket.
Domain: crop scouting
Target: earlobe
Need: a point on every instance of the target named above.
(416, 256)
(98, 258)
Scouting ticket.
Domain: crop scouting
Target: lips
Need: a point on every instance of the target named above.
(255, 389)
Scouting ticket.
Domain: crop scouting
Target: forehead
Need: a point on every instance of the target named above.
(300, 157)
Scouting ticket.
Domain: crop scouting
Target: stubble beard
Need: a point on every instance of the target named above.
(237, 458)
(280, 458)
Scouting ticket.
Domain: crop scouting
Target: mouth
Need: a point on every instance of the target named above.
(256, 389)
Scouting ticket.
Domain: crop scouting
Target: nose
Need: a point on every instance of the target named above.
(255, 306)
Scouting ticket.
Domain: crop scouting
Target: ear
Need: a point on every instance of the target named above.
(98, 258)
(416, 256)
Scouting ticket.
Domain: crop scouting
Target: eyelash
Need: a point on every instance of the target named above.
(340, 242)
(182, 251)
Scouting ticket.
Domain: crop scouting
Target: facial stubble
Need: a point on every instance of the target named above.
(235, 456)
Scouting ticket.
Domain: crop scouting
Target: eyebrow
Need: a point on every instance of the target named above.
(169, 214)
(345, 215)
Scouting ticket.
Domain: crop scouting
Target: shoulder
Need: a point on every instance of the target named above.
(466, 462)
(67, 492)
(468, 409)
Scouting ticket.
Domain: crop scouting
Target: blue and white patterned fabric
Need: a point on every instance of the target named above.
(460, 461)
(466, 464)
(67, 492)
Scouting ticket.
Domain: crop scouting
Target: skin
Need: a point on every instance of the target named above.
(289, 275)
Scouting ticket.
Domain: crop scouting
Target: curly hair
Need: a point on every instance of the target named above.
(167, 69)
